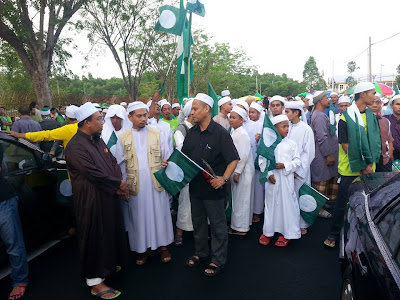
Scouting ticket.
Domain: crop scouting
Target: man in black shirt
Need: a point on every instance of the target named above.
(209, 141)
(11, 234)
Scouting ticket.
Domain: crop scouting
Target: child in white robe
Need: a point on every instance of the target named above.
(282, 212)
(243, 176)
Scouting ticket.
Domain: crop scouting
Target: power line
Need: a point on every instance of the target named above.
(386, 38)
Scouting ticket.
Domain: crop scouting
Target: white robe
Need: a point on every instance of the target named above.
(259, 189)
(165, 131)
(184, 217)
(242, 192)
(303, 135)
(282, 211)
(147, 216)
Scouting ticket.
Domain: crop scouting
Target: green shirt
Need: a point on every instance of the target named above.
(6, 119)
(172, 123)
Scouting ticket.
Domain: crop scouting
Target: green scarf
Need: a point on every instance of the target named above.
(364, 148)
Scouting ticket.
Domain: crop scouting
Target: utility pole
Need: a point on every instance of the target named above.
(333, 75)
(380, 76)
(256, 84)
(369, 62)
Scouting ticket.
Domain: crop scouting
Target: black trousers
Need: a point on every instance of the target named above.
(214, 210)
(340, 205)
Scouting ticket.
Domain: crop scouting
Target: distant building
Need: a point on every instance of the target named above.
(340, 85)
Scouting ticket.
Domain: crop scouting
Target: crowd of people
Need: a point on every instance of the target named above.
(327, 141)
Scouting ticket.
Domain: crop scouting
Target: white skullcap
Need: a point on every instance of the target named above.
(149, 103)
(394, 98)
(123, 103)
(98, 107)
(224, 100)
(105, 110)
(385, 100)
(225, 93)
(85, 111)
(256, 106)
(163, 102)
(234, 102)
(205, 98)
(187, 109)
(45, 112)
(297, 98)
(240, 111)
(379, 95)
(344, 99)
(278, 119)
(364, 86)
(334, 94)
(277, 98)
(136, 105)
(70, 111)
(309, 97)
(175, 105)
(295, 105)
(244, 104)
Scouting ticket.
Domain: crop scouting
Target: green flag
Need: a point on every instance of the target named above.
(270, 138)
(184, 62)
(179, 172)
(162, 89)
(171, 19)
(196, 6)
(213, 94)
(112, 143)
(310, 201)
(396, 165)
(397, 91)
(332, 119)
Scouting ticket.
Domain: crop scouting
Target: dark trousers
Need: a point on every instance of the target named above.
(340, 205)
(380, 167)
(214, 210)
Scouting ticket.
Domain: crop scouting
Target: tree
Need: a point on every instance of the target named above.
(311, 76)
(398, 76)
(33, 29)
(351, 67)
(126, 28)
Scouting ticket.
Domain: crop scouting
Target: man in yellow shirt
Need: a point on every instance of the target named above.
(63, 134)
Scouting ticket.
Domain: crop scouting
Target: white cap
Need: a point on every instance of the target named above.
(297, 98)
(309, 97)
(85, 111)
(240, 111)
(394, 98)
(136, 105)
(163, 102)
(188, 108)
(244, 104)
(364, 86)
(224, 100)
(175, 105)
(123, 103)
(385, 100)
(256, 106)
(277, 98)
(98, 107)
(205, 98)
(334, 94)
(70, 111)
(279, 118)
(105, 110)
(225, 93)
(294, 105)
(344, 99)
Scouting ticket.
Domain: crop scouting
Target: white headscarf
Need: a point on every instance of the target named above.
(108, 128)
(188, 109)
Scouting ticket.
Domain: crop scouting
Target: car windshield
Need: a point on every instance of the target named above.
(16, 158)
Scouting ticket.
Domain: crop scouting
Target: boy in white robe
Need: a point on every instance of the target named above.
(303, 135)
(282, 211)
(243, 176)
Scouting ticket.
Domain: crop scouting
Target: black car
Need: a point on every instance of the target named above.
(43, 189)
(370, 239)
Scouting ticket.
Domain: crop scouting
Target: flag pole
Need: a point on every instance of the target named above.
(190, 54)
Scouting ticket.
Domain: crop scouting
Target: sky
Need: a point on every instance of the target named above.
(279, 36)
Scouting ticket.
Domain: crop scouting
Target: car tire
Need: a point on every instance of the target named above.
(348, 289)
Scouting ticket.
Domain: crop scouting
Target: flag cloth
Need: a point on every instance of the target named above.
(171, 19)
(214, 96)
(184, 62)
(179, 172)
(270, 138)
(396, 165)
(162, 89)
(332, 119)
(196, 6)
(397, 91)
(112, 143)
(310, 201)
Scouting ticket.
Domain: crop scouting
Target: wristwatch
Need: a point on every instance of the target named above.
(226, 179)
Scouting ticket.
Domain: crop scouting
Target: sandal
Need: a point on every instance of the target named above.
(178, 240)
(18, 295)
(324, 214)
(109, 291)
(282, 242)
(330, 242)
(141, 259)
(235, 232)
(256, 218)
(264, 240)
(196, 261)
(215, 270)
(303, 231)
(165, 255)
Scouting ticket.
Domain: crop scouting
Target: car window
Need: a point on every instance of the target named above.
(16, 158)
(389, 226)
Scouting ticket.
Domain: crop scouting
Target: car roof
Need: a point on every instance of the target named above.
(4, 136)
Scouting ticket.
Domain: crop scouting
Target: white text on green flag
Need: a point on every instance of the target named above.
(179, 172)
(310, 201)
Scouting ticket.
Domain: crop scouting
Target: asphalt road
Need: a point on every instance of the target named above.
(304, 270)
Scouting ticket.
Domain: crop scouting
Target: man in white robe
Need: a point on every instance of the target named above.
(303, 135)
(282, 211)
(155, 121)
(243, 176)
(147, 214)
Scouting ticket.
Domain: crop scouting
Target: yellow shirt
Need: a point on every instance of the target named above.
(344, 166)
(64, 134)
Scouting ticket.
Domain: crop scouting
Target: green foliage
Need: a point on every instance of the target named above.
(311, 76)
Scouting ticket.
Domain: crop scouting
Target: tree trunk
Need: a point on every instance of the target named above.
(40, 81)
